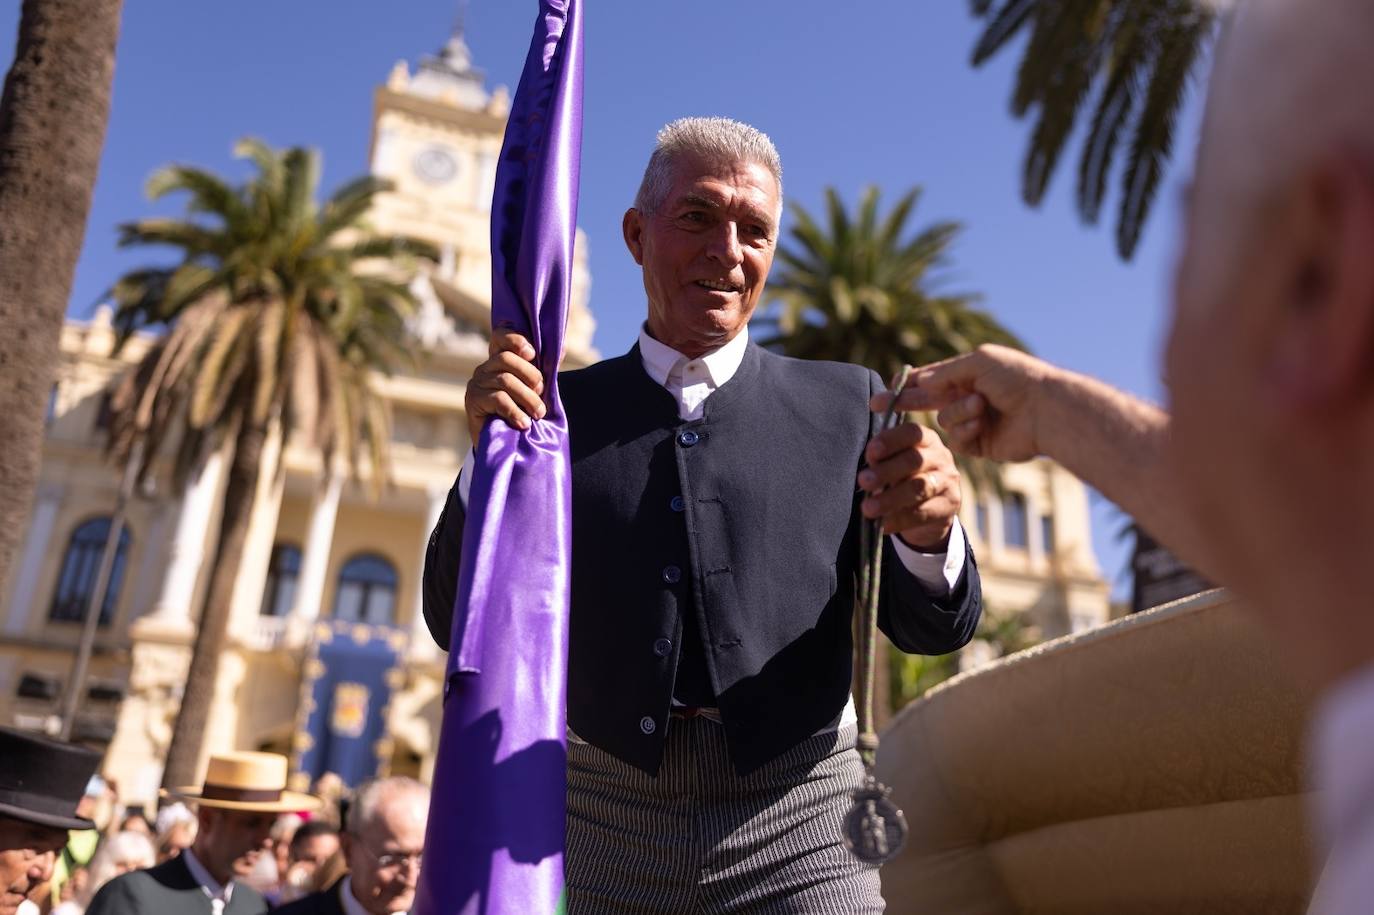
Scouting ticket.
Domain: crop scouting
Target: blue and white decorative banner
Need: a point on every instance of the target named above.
(351, 672)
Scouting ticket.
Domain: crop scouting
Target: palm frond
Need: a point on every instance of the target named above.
(350, 203)
(1154, 136)
(301, 176)
(1056, 37)
(1005, 24)
(208, 192)
(1089, 60)
(390, 247)
(1059, 108)
(267, 388)
(1116, 101)
(213, 383)
(191, 238)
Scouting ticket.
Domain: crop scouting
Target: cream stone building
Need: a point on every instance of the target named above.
(318, 546)
(1034, 548)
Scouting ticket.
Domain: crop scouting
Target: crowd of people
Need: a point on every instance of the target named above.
(239, 844)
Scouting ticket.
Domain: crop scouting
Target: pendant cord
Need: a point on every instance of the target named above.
(870, 587)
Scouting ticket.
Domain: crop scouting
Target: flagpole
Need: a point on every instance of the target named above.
(76, 683)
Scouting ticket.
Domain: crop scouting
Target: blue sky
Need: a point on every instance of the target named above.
(870, 92)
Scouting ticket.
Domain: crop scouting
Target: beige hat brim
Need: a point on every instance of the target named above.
(289, 802)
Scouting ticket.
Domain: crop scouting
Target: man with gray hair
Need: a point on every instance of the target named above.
(381, 842)
(717, 494)
(1262, 472)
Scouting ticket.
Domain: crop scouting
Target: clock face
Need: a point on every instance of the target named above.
(435, 165)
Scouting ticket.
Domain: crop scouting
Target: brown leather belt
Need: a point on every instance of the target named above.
(683, 711)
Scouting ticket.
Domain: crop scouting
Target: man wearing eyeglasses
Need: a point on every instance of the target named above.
(381, 843)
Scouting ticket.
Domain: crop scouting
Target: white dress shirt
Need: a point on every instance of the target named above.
(691, 381)
(1342, 752)
(219, 895)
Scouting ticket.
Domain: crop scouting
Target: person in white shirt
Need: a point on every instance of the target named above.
(1261, 474)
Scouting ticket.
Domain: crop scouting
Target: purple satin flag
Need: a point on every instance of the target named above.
(495, 838)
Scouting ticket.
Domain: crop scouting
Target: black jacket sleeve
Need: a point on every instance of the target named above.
(442, 557)
(915, 621)
(918, 623)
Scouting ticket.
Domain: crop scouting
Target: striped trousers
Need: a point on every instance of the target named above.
(701, 839)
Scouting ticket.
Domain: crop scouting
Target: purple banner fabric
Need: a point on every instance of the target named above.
(494, 843)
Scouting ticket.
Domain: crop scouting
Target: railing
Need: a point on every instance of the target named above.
(284, 633)
(269, 633)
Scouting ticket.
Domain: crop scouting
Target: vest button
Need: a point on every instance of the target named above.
(672, 574)
(688, 439)
(677, 504)
(646, 724)
(662, 647)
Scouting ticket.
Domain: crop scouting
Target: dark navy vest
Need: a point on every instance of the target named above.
(723, 549)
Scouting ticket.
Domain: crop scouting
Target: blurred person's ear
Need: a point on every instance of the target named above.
(1324, 348)
(346, 847)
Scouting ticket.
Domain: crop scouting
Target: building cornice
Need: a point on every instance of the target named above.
(440, 112)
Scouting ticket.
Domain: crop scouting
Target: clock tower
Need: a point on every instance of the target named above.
(436, 134)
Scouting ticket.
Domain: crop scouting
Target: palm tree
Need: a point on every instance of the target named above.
(53, 113)
(860, 290)
(276, 316)
(1130, 62)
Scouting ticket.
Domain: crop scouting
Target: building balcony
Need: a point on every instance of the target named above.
(292, 634)
(269, 634)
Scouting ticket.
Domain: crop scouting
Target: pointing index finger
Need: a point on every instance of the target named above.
(936, 386)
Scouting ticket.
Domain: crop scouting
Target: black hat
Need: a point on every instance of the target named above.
(42, 780)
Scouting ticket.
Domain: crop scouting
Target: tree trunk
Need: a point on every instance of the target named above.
(188, 736)
(53, 114)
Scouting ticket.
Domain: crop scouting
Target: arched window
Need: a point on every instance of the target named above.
(283, 571)
(80, 564)
(367, 590)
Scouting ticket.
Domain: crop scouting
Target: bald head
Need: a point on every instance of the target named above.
(384, 835)
(1271, 356)
(1287, 95)
(1290, 85)
(378, 798)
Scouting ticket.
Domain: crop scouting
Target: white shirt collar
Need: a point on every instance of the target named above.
(202, 876)
(351, 905)
(720, 364)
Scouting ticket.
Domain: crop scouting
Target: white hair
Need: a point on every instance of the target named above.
(719, 141)
(370, 795)
(174, 815)
(285, 827)
(127, 847)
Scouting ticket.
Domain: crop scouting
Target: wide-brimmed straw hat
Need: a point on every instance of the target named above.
(42, 780)
(248, 781)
